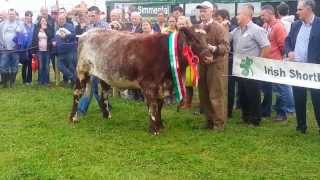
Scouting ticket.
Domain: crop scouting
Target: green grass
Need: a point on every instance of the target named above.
(37, 142)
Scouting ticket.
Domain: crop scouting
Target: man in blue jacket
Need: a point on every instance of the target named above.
(65, 41)
(302, 45)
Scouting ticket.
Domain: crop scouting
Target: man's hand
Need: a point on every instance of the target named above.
(291, 56)
(212, 48)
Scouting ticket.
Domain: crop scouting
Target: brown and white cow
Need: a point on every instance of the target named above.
(127, 60)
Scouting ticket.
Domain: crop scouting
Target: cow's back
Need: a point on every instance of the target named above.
(123, 59)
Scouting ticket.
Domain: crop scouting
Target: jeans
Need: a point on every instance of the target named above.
(43, 72)
(66, 65)
(26, 70)
(9, 62)
(266, 104)
(85, 100)
(284, 99)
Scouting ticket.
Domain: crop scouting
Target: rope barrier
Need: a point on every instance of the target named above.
(28, 49)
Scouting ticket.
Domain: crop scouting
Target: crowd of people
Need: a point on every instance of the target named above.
(274, 35)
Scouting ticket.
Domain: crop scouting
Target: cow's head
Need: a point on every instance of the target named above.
(197, 39)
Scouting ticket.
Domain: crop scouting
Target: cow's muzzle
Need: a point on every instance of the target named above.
(206, 57)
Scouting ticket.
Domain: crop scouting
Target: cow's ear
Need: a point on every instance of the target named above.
(188, 33)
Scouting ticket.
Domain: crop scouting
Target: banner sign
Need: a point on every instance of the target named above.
(153, 10)
(281, 72)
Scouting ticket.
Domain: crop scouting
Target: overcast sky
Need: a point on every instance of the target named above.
(34, 5)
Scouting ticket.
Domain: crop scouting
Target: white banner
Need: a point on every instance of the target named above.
(282, 72)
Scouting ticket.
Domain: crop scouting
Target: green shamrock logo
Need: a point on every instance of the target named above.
(246, 66)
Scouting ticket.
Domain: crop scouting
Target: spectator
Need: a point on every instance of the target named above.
(65, 41)
(54, 12)
(283, 15)
(146, 27)
(95, 19)
(94, 22)
(11, 32)
(117, 20)
(212, 82)
(82, 24)
(136, 27)
(302, 45)
(276, 34)
(160, 25)
(26, 56)
(136, 22)
(3, 15)
(177, 11)
(223, 17)
(255, 43)
(286, 99)
(63, 12)
(115, 15)
(52, 27)
(207, 12)
(172, 25)
(42, 41)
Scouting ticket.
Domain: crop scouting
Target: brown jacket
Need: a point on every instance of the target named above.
(218, 35)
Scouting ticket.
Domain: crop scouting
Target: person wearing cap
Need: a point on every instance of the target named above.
(207, 11)
(252, 40)
(26, 57)
(213, 75)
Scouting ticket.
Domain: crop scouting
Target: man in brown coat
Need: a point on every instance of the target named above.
(213, 75)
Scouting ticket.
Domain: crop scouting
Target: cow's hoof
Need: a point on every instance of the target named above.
(75, 118)
(154, 131)
(107, 116)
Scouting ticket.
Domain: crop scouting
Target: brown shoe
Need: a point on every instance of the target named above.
(207, 125)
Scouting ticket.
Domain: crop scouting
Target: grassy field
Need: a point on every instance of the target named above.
(37, 142)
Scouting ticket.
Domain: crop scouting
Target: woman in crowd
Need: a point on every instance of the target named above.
(172, 25)
(42, 40)
(147, 27)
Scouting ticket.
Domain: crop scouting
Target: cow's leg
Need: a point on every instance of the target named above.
(81, 86)
(160, 104)
(154, 127)
(104, 102)
(153, 109)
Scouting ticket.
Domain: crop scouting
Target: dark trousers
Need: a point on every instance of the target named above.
(300, 101)
(231, 94)
(231, 86)
(26, 70)
(266, 104)
(250, 99)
